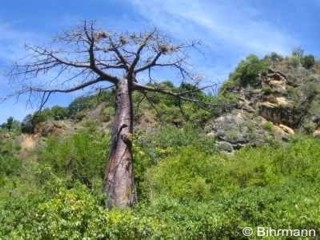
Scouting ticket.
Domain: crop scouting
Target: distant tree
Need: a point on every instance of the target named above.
(298, 51)
(27, 125)
(59, 113)
(78, 105)
(249, 70)
(273, 58)
(11, 125)
(86, 57)
(308, 61)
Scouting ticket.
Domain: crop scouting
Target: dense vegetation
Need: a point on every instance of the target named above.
(187, 188)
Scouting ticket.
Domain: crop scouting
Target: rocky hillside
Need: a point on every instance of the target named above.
(263, 100)
(52, 165)
(276, 97)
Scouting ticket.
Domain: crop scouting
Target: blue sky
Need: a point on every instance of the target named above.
(228, 29)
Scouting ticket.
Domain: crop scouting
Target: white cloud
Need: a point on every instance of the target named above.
(12, 41)
(217, 22)
(229, 30)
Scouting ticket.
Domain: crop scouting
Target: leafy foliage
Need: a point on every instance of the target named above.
(11, 125)
(308, 61)
(78, 157)
(84, 103)
(190, 194)
(247, 73)
(10, 164)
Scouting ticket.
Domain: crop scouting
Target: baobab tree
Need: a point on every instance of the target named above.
(84, 57)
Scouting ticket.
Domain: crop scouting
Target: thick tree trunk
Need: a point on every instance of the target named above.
(119, 180)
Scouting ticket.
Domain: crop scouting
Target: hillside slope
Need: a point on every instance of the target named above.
(276, 97)
(188, 187)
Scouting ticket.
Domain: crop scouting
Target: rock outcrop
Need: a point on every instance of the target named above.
(276, 110)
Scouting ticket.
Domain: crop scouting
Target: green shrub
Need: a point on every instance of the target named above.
(32, 120)
(292, 205)
(27, 125)
(267, 90)
(172, 176)
(81, 156)
(213, 175)
(268, 126)
(89, 102)
(298, 51)
(76, 214)
(54, 113)
(10, 164)
(308, 61)
(273, 57)
(295, 61)
(59, 113)
(249, 70)
(11, 125)
(188, 194)
(70, 214)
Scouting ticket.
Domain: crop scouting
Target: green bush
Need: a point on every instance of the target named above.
(298, 51)
(171, 177)
(273, 57)
(27, 125)
(247, 73)
(54, 113)
(59, 113)
(152, 148)
(89, 102)
(11, 125)
(10, 164)
(188, 194)
(267, 90)
(76, 214)
(249, 70)
(81, 156)
(32, 120)
(308, 61)
(295, 61)
(292, 205)
(213, 175)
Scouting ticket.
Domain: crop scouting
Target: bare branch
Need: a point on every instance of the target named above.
(149, 65)
(173, 94)
(92, 58)
(51, 57)
(138, 53)
(152, 104)
(44, 100)
(89, 53)
(68, 90)
(137, 107)
(121, 58)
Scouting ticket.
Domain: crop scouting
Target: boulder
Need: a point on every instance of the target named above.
(238, 128)
(316, 133)
(278, 113)
(286, 129)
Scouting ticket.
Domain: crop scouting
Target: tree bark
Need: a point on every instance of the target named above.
(119, 180)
